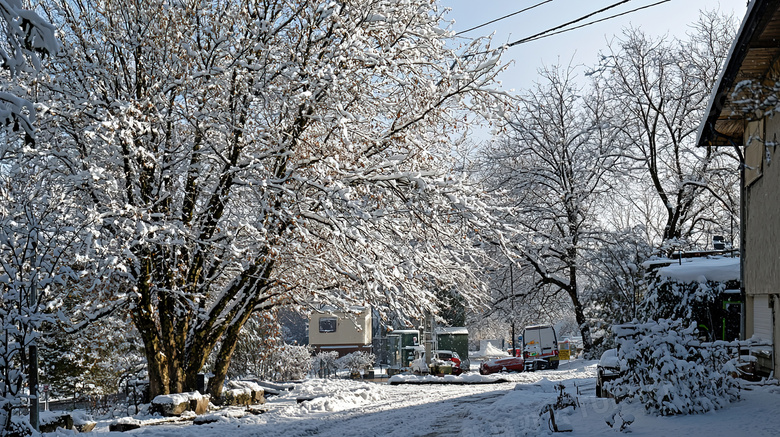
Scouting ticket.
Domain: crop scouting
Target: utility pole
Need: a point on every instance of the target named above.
(33, 365)
(512, 290)
(428, 335)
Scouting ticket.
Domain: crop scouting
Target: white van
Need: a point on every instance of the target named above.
(540, 347)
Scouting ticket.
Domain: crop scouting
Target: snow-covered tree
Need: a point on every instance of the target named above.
(617, 277)
(243, 155)
(551, 166)
(34, 227)
(666, 368)
(289, 362)
(39, 231)
(26, 38)
(658, 89)
(325, 363)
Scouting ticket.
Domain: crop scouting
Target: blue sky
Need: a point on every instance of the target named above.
(579, 46)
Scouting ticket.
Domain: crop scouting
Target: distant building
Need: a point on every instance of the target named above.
(742, 115)
(454, 339)
(340, 331)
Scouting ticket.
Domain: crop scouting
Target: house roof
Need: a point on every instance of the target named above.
(754, 51)
(702, 270)
(452, 330)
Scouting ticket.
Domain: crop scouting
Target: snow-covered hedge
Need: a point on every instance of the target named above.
(665, 367)
(325, 363)
(357, 362)
(291, 362)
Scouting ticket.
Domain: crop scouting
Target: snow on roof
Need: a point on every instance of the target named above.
(702, 270)
(538, 326)
(453, 330)
(404, 331)
(330, 309)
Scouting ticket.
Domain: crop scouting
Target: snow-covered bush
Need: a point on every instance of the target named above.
(668, 298)
(325, 363)
(291, 362)
(357, 362)
(665, 367)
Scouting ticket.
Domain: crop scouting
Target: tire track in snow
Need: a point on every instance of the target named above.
(451, 424)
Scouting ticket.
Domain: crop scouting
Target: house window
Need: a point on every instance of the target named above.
(328, 324)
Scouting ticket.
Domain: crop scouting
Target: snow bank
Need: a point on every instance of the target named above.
(452, 330)
(328, 395)
(466, 378)
(177, 398)
(488, 351)
(246, 385)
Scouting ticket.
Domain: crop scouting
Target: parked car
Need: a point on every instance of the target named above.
(540, 347)
(607, 369)
(442, 358)
(508, 364)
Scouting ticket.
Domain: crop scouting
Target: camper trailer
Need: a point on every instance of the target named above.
(341, 331)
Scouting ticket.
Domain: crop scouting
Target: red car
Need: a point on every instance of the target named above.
(508, 364)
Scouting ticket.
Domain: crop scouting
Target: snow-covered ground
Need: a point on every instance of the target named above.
(353, 408)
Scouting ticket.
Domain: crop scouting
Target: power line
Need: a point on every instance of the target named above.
(504, 17)
(559, 29)
(540, 34)
(529, 39)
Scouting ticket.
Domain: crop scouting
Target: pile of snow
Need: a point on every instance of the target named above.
(246, 385)
(177, 398)
(240, 387)
(81, 417)
(336, 395)
(488, 351)
(465, 378)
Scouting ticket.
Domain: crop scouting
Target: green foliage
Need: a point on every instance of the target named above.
(453, 308)
(97, 360)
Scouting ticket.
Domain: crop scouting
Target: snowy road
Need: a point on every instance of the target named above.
(405, 410)
(432, 410)
(346, 408)
(449, 423)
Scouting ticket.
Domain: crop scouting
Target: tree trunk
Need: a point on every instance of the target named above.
(222, 363)
(587, 342)
(579, 312)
